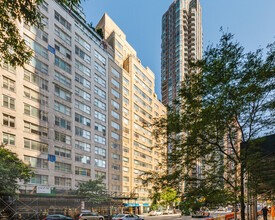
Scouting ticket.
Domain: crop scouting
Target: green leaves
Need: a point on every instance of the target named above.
(12, 171)
(94, 190)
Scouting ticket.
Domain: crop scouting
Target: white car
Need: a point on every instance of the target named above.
(155, 213)
(168, 211)
(90, 215)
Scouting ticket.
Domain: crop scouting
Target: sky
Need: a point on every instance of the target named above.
(251, 21)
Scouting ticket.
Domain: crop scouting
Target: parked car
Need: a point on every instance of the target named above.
(90, 215)
(155, 213)
(200, 213)
(168, 211)
(57, 217)
(127, 216)
(177, 211)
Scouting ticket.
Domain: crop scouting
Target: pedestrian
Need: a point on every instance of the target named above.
(264, 211)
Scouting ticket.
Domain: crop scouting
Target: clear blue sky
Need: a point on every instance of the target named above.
(252, 22)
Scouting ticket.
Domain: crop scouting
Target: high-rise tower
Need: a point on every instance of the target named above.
(181, 41)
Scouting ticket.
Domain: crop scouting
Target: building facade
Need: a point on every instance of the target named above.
(140, 106)
(57, 112)
(181, 41)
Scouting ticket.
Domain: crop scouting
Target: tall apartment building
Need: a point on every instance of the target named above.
(61, 112)
(181, 41)
(140, 106)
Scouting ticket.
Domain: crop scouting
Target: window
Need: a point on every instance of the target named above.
(37, 32)
(142, 94)
(35, 79)
(83, 120)
(143, 164)
(115, 104)
(118, 54)
(82, 171)
(35, 145)
(62, 35)
(125, 81)
(141, 129)
(156, 106)
(82, 42)
(63, 50)
(82, 55)
(62, 79)
(126, 149)
(62, 108)
(100, 140)
(62, 167)
(139, 154)
(44, 20)
(100, 116)
(125, 169)
(39, 179)
(125, 100)
(125, 121)
(8, 102)
(100, 128)
(100, 92)
(143, 147)
(82, 146)
(36, 162)
(44, 5)
(115, 177)
(115, 83)
(143, 76)
(125, 91)
(126, 159)
(100, 104)
(83, 159)
(81, 93)
(100, 81)
(8, 120)
(62, 137)
(62, 93)
(100, 151)
(36, 47)
(115, 93)
(85, 108)
(115, 72)
(8, 139)
(62, 152)
(100, 57)
(115, 125)
(115, 167)
(35, 96)
(100, 69)
(142, 111)
(82, 133)
(126, 188)
(35, 129)
(82, 81)
(100, 163)
(126, 130)
(115, 156)
(115, 188)
(115, 115)
(63, 123)
(136, 98)
(38, 65)
(62, 64)
(82, 68)
(142, 138)
(119, 45)
(142, 84)
(115, 146)
(99, 174)
(125, 179)
(115, 136)
(35, 112)
(8, 84)
(125, 111)
(62, 20)
(60, 181)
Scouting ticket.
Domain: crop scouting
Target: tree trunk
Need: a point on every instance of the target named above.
(242, 193)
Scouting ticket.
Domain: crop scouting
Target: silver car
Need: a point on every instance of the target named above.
(127, 216)
(90, 215)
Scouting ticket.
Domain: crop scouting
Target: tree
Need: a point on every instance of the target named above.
(93, 190)
(100, 32)
(12, 46)
(12, 171)
(168, 196)
(226, 98)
